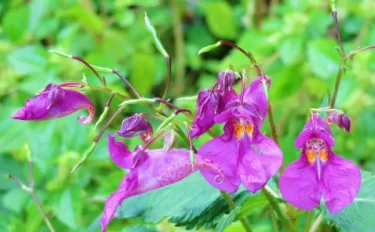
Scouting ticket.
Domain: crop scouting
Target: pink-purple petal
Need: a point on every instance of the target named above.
(255, 95)
(160, 168)
(54, 102)
(120, 153)
(341, 180)
(299, 185)
(223, 153)
(262, 161)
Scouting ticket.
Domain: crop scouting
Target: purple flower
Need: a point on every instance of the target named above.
(340, 119)
(319, 172)
(149, 170)
(136, 125)
(55, 101)
(211, 102)
(243, 153)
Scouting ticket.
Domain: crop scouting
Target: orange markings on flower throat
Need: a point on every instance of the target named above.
(316, 148)
(243, 127)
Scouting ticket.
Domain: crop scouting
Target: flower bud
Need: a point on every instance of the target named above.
(136, 125)
(55, 101)
(226, 80)
(339, 118)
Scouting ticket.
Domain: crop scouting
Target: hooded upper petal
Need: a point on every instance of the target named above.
(256, 96)
(262, 161)
(341, 181)
(315, 127)
(223, 153)
(55, 102)
(299, 185)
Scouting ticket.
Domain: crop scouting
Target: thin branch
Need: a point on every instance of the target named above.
(127, 82)
(31, 191)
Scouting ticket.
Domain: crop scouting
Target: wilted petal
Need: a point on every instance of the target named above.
(55, 102)
(315, 127)
(299, 185)
(224, 154)
(341, 180)
(136, 125)
(262, 161)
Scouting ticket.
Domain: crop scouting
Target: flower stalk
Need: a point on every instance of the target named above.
(30, 189)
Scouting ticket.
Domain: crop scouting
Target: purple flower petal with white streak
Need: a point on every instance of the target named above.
(54, 102)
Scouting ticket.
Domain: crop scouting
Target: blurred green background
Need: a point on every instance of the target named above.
(293, 40)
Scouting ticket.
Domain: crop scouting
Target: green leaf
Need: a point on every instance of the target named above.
(143, 72)
(359, 215)
(220, 19)
(15, 23)
(15, 199)
(323, 58)
(64, 211)
(37, 10)
(290, 49)
(191, 202)
(28, 59)
(226, 220)
(251, 204)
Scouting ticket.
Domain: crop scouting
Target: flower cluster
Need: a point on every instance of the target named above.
(240, 155)
(243, 153)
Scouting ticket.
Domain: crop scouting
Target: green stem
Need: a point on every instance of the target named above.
(232, 205)
(308, 221)
(179, 48)
(338, 80)
(316, 223)
(275, 226)
(276, 208)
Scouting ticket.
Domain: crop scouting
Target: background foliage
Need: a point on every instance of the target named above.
(293, 40)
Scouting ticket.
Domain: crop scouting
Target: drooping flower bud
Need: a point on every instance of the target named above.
(339, 118)
(55, 102)
(226, 80)
(208, 105)
(136, 125)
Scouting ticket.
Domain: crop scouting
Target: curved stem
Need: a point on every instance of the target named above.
(127, 82)
(90, 67)
(232, 205)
